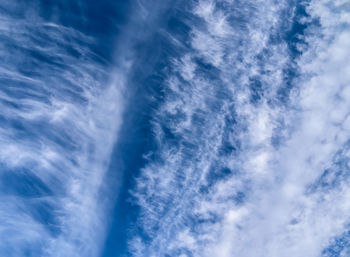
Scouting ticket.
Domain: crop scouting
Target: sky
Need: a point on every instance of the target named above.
(174, 128)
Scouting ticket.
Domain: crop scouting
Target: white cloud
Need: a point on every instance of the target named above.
(279, 215)
(59, 125)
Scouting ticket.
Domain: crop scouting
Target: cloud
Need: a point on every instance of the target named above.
(60, 112)
(224, 188)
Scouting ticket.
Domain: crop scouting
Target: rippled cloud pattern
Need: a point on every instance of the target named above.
(183, 128)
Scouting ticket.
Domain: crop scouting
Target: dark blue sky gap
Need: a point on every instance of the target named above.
(136, 138)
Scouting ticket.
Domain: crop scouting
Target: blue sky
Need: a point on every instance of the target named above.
(176, 128)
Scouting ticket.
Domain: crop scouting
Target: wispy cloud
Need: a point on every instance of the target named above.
(60, 112)
(239, 171)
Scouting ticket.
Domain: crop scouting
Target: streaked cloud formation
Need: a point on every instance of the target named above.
(260, 164)
(59, 118)
(184, 128)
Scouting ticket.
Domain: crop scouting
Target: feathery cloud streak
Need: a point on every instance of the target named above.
(60, 112)
(258, 167)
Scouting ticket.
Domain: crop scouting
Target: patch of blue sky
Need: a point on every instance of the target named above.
(339, 246)
(163, 38)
